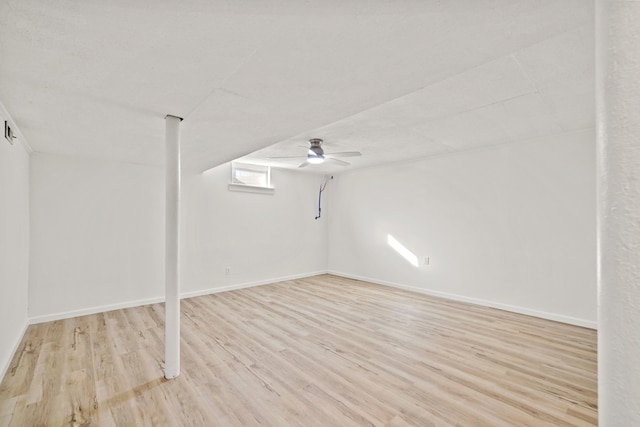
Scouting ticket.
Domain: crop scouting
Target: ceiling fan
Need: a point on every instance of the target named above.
(316, 155)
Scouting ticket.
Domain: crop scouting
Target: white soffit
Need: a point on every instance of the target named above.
(540, 90)
(392, 80)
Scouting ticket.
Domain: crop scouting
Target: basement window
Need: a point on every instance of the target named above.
(250, 178)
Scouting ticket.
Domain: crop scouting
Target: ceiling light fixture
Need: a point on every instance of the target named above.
(316, 153)
(314, 158)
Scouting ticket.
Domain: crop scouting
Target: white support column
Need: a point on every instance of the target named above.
(618, 135)
(172, 253)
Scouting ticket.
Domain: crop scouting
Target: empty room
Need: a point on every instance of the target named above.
(319, 213)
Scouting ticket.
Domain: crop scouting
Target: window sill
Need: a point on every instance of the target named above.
(251, 189)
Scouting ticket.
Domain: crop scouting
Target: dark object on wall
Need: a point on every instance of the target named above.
(323, 185)
(8, 133)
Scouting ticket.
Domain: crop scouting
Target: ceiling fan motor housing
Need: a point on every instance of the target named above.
(315, 146)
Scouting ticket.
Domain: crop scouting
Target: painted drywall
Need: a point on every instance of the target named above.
(14, 246)
(259, 237)
(98, 234)
(511, 226)
(618, 123)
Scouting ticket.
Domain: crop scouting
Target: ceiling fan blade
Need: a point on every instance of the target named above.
(345, 154)
(287, 157)
(303, 165)
(339, 162)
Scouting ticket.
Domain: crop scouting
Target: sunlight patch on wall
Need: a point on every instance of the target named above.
(402, 250)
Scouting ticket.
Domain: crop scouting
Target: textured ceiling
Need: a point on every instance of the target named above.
(393, 80)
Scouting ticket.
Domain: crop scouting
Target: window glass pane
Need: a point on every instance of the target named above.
(245, 174)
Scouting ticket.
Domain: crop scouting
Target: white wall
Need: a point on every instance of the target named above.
(97, 234)
(261, 237)
(97, 238)
(511, 226)
(14, 246)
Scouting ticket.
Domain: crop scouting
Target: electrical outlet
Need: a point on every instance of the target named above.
(227, 271)
(426, 260)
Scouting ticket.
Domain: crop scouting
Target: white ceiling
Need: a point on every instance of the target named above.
(393, 80)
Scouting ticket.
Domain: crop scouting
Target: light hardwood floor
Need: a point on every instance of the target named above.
(323, 351)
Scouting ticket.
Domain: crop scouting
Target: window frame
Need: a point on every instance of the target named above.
(263, 170)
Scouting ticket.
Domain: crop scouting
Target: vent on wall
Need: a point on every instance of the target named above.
(8, 133)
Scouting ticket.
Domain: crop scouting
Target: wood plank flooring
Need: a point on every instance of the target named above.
(323, 351)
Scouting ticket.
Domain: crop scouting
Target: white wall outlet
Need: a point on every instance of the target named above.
(227, 271)
(426, 260)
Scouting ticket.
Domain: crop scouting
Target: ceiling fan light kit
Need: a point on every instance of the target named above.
(317, 155)
(315, 159)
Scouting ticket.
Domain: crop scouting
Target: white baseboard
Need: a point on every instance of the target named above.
(127, 304)
(249, 284)
(93, 310)
(4, 366)
(154, 300)
(514, 309)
